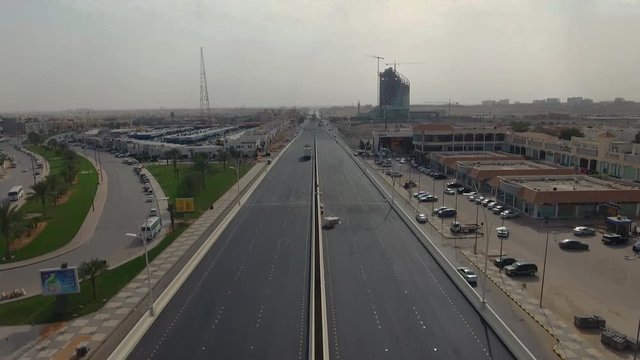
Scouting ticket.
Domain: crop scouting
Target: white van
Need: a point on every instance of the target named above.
(151, 228)
(16, 193)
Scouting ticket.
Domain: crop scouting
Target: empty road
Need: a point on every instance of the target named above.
(387, 297)
(249, 296)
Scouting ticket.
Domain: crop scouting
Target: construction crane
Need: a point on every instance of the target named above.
(394, 63)
(377, 76)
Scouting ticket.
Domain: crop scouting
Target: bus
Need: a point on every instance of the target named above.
(16, 193)
(151, 228)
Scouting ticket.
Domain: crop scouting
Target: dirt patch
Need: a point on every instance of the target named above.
(52, 329)
(27, 238)
(64, 198)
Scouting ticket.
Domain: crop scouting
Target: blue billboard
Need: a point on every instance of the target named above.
(59, 281)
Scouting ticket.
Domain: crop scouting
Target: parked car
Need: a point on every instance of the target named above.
(502, 262)
(468, 275)
(583, 231)
(419, 193)
(491, 204)
(613, 239)
(449, 191)
(519, 268)
(153, 212)
(636, 247)
(447, 213)
(486, 202)
(570, 244)
(428, 198)
(502, 231)
(149, 198)
(479, 200)
(439, 176)
(396, 174)
(421, 218)
(497, 209)
(509, 214)
(454, 185)
(438, 209)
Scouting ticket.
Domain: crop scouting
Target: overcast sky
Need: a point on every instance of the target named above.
(134, 54)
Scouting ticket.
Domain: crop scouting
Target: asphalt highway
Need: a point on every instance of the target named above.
(387, 297)
(249, 296)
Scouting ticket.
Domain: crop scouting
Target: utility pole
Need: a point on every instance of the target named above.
(205, 109)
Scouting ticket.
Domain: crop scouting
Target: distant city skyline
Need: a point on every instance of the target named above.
(110, 55)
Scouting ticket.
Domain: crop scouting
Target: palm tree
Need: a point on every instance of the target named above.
(41, 191)
(201, 165)
(8, 217)
(223, 155)
(91, 270)
(56, 186)
(174, 159)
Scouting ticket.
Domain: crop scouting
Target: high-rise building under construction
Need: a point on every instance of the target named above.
(394, 96)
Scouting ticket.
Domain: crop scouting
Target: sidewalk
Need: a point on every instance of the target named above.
(84, 233)
(570, 344)
(124, 309)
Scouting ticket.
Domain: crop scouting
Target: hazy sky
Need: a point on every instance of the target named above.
(145, 54)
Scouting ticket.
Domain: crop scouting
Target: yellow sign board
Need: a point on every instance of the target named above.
(184, 205)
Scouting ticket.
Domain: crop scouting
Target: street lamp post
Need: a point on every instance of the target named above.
(475, 243)
(486, 261)
(143, 229)
(544, 269)
(433, 203)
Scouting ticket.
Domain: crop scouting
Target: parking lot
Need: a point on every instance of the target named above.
(601, 280)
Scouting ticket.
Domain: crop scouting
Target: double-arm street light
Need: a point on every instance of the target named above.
(143, 228)
(544, 268)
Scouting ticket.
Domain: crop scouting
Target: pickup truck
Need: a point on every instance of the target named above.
(463, 228)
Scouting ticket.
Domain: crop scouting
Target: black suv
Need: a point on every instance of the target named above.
(454, 185)
(521, 268)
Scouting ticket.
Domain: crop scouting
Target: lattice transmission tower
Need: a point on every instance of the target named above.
(205, 109)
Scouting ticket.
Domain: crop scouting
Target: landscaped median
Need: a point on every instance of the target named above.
(41, 309)
(37, 229)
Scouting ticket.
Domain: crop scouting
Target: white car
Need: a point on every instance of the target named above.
(419, 193)
(468, 275)
(584, 231)
(149, 198)
(153, 212)
(421, 218)
(449, 191)
(502, 231)
(509, 214)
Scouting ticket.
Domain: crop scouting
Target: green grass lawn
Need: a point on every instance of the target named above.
(216, 184)
(41, 309)
(64, 220)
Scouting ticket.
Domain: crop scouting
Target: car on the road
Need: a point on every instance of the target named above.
(447, 213)
(153, 212)
(468, 275)
(504, 261)
(421, 218)
(520, 268)
(613, 239)
(509, 214)
(439, 176)
(149, 198)
(467, 193)
(438, 209)
(571, 244)
(502, 231)
(449, 191)
(479, 200)
(583, 231)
